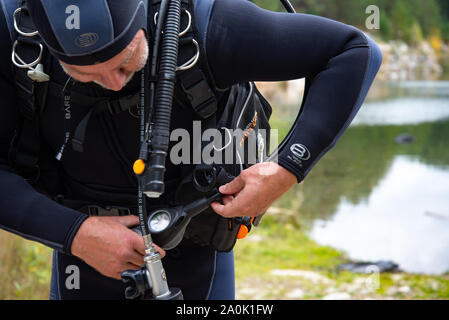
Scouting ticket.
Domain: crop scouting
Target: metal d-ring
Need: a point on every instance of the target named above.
(182, 33)
(188, 25)
(227, 144)
(25, 34)
(193, 61)
(23, 64)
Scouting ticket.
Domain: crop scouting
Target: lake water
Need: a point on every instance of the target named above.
(404, 219)
(405, 215)
(410, 102)
(376, 199)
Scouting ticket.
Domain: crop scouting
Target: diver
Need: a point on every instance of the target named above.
(97, 50)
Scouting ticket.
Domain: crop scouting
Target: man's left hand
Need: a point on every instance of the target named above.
(254, 190)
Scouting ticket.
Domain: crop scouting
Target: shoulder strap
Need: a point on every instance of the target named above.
(8, 7)
(195, 81)
(31, 96)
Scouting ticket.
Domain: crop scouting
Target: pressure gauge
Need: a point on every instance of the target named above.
(159, 221)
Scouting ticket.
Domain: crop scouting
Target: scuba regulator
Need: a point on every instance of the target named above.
(166, 226)
(150, 282)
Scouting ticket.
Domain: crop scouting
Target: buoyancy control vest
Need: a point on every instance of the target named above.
(244, 111)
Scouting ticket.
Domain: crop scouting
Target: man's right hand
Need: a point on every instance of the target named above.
(108, 245)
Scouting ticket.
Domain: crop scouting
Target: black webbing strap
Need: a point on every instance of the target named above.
(194, 82)
(27, 152)
(108, 211)
(197, 82)
(30, 98)
(28, 49)
(198, 91)
(101, 104)
(114, 106)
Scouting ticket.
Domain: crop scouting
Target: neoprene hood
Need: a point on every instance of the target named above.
(86, 32)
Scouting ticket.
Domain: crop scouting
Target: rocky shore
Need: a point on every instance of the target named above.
(278, 261)
(405, 62)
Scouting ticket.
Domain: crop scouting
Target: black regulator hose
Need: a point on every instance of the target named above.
(154, 185)
(154, 68)
(154, 180)
(288, 6)
(148, 81)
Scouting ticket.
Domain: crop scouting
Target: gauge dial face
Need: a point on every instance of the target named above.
(159, 221)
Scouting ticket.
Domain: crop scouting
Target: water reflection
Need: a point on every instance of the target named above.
(405, 219)
(403, 111)
(408, 102)
(369, 195)
(424, 88)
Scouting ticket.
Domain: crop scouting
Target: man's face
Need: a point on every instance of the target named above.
(115, 73)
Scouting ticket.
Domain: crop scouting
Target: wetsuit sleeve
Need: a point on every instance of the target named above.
(23, 210)
(246, 43)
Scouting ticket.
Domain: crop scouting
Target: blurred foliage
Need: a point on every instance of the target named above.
(25, 268)
(407, 20)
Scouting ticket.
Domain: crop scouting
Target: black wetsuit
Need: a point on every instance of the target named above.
(242, 43)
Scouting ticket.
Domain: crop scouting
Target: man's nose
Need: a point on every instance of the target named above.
(114, 80)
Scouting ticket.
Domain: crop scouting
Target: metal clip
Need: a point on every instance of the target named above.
(36, 74)
(193, 61)
(25, 34)
(182, 33)
(23, 64)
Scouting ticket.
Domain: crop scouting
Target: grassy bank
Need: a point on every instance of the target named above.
(276, 261)
(279, 261)
(25, 268)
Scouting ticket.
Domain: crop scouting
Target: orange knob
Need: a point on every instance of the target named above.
(139, 167)
(243, 232)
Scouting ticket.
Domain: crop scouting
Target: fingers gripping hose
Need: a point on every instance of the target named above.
(154, 184)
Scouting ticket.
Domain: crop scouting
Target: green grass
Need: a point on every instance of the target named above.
(277, 245)
(286, 248)
(25, 268)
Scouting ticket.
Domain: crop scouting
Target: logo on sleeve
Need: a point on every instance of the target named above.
(299, 153)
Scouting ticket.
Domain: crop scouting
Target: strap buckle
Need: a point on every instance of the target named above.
(202, 98)
(117, 106)
(108, 211)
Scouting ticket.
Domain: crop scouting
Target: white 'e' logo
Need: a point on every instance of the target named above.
(73, 20)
